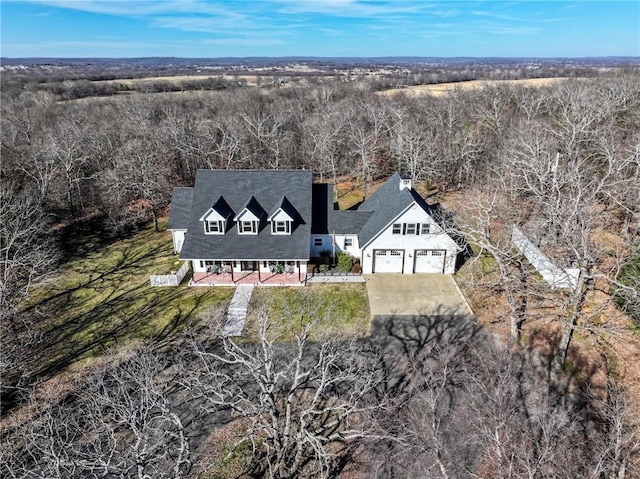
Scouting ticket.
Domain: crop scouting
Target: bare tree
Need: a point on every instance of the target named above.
(120, 422)
(138, 184)
(28, 256)
(485, 219)
(620, 441)
(305, 401)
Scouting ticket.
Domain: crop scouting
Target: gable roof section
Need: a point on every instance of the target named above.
(253, 207)
(386, 204)
(180, 208)
(221, 207)
(347, 221)
(284, 205)
(238, 187)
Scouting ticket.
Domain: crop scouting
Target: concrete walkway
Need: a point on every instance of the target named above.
(237, 312)
(336, 279)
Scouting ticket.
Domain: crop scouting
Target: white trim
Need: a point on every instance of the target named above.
(220, 225)
(255, 226)
(287, 227)
(275, 213)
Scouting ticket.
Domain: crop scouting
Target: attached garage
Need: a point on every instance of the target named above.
(388, 260)
(429, 260)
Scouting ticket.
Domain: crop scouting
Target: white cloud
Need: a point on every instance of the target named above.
(245, 42)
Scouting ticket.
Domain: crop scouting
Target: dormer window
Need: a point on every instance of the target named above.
(214, 227)
(215, 219)
(405, 181)
(283, 218)
(248, 227)
(281, 227)
(249, 218)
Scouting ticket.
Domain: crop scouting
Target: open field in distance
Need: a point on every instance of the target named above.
(251, 80)
(439, 89)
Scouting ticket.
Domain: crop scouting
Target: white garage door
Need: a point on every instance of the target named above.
(388, 260)
(429, 261)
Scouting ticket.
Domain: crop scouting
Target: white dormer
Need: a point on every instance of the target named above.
(215, 219)
(281, 223)
(283, 217)
(248, 219)
(405, 181)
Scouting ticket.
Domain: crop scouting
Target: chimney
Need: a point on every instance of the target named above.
(405, 181)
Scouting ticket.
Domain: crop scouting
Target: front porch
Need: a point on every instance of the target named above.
(248, 277)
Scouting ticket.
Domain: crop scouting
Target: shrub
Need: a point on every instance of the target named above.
(628, 300)
(345, 261)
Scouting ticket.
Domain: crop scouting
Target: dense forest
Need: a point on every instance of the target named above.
(560, 161)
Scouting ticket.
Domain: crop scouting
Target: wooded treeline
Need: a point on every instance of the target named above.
(562, 162)
(121, 156)
(424, 397)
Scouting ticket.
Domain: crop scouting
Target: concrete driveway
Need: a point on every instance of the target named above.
(415, 295)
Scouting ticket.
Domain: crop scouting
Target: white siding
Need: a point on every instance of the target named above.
(178, 239)
(435, 239)
(353, 250)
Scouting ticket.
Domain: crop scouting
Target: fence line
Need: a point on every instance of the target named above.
(173, 279)
(556, 277)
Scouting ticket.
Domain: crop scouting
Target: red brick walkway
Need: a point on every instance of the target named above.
(265, 279)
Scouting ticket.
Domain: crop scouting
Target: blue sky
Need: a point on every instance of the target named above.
(218, 28)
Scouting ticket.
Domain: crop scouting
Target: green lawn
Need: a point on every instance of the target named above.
(341, 310)
(102, 297)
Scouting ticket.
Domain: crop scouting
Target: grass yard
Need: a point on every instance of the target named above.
(102, 297)
(342, 310)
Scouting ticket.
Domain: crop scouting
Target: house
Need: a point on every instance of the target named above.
(265, 226)
(238, 223)
(393, 231)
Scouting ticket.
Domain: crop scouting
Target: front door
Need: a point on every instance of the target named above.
(248, 265)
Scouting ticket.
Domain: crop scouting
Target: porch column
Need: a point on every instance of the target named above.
(259, 278)
(298, 265)
(231, 263)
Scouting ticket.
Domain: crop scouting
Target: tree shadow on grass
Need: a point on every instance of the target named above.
(584, 374)
(104, 308)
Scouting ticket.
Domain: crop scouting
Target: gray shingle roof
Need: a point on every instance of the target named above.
(222, 208)
(348, 222)
(237, 187)
(385, 205)
(180, 208)
(322, 207)
(285, 205)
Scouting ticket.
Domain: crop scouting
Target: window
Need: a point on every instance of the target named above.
(248, 227)
(412, 229)
(214, 227)
(397, 229)
(437, 253)
(281, 227)
(396, 253)
(348, 242)
(381, 252)
(317, 241)
(426, 227)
